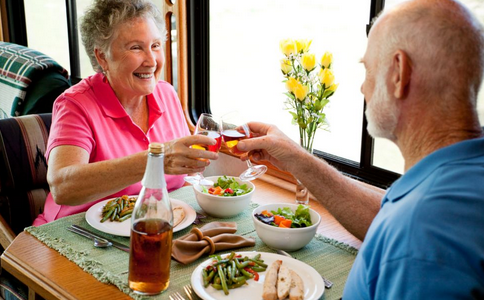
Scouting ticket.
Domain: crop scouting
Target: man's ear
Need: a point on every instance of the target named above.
(401, 73)
(101, 59)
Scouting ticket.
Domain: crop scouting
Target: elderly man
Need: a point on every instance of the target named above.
(424, 67)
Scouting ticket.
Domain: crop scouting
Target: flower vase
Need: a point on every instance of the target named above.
(302, 193)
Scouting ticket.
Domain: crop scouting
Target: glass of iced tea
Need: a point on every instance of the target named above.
(235, 129)
(209, 126)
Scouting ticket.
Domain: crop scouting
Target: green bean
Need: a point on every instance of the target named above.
(231, 272)
(210, 276)
(240, 278)
(241, 265)
(258, 262)
(107, 215)
(115, 213)
(124, 212)
(108, 206)
(125, 217)
(234, 267)
(206, 282)
(259, 269)
(222, 279)
(256, 257)
(231, 256)
(246, 274)
(223, 261)
(119, 209)
(238, 284)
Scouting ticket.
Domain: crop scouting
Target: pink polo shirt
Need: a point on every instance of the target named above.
(90, 116)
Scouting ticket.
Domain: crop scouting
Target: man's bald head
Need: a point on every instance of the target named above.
(444, 42)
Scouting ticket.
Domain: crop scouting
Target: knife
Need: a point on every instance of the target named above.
(115, 244)
(327, 284)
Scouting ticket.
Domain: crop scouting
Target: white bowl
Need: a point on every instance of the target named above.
(223, 207)
(288, 239)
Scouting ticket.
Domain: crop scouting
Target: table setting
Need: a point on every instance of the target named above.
(192, 246)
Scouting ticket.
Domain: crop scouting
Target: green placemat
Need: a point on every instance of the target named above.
(110, 265)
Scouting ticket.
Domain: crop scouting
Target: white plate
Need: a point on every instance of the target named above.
(94, 215)
(313, 283)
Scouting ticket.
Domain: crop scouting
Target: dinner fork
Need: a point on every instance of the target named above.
(176, 296)
(190, 293)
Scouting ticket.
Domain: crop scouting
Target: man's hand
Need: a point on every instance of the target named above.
(272, 145)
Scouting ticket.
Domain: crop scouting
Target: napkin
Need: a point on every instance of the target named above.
(211, 238)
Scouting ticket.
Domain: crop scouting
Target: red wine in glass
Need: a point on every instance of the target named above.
(234, 130)
(232, 138)
(213, 148)
(209, 126)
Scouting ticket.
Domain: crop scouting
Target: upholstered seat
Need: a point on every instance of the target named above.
(23, 171)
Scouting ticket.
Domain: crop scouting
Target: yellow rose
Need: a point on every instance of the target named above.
(303, 45)
(286, 66)
(291, 84)
(308, 61)
(333, 87)
(288, 47)
(326, 60)
(300, 91)
(326, 77)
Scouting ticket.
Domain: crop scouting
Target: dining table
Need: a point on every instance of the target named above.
(55, 263)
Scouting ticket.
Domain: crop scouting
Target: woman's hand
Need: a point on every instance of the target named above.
(181, 159)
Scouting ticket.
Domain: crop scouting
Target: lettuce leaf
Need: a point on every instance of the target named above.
(300, 218)
(225, 182)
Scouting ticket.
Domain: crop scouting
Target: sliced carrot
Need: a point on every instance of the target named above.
(266, 213)
(218, 191)
(285, 224)
(278, 219)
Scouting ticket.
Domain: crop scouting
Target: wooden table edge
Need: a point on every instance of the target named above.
(39, 283)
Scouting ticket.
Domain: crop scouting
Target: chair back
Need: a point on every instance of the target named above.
(30, 81)
(23, 169)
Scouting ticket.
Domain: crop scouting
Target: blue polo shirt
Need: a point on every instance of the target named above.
(427, 241)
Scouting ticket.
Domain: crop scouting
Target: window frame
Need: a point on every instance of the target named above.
(195, 87)
(199, 94)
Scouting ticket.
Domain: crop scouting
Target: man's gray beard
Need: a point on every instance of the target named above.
(382, 114)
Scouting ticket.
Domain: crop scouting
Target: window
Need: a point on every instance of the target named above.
(48, 31)
(245, 71)
(50, 38)
(233, 62)
(242, 47)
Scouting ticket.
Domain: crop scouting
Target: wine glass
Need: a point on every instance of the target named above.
(235, 129)
(209, 126)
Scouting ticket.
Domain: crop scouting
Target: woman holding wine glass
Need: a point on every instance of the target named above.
(235, 129)
(209, 126)
(102, 126)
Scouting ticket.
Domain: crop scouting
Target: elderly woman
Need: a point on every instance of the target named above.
(102, 126)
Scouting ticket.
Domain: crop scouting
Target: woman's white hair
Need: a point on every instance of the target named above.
(98, 26)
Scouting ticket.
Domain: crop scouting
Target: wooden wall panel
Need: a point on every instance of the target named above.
(178, 10)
